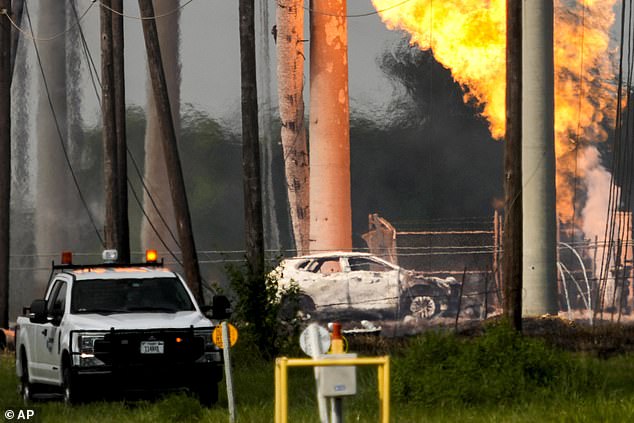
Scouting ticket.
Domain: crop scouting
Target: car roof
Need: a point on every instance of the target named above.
(127, 272)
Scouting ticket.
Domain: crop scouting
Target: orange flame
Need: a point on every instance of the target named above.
(469, 37)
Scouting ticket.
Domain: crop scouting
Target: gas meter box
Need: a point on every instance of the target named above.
(338, 381)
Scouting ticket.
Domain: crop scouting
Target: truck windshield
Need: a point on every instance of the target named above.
(108, 296)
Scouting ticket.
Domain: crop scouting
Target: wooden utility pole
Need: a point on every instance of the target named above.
(123, 226)
(16, 15)
(5, 158)
(512, 237)
(109, 132)
(251, 178)
(170, 148)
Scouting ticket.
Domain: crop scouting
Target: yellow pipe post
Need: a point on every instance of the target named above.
(281, 380)
(284, 388)
(278, 393)
(385, 404)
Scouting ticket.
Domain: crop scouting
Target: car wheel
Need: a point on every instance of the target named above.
(70, 388)
(419, 306)
(26, 388)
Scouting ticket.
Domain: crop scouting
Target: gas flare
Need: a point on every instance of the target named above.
(469, 38)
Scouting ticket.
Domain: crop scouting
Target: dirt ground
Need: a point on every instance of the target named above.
(602, 338)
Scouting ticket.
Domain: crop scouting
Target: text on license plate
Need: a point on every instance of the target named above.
(152, 347)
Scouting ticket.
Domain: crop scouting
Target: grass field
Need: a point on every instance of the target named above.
(465, 389)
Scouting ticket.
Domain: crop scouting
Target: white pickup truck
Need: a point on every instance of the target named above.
(118, 328)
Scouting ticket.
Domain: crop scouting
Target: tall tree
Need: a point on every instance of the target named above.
(290, 76)
(5, 159)
(250, 144)
(159, 232)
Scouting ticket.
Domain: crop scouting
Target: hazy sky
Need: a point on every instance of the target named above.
(210, 55)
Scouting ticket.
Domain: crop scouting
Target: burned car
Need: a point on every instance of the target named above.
(346, 284)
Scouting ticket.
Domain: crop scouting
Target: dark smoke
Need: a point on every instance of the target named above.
(434, 158)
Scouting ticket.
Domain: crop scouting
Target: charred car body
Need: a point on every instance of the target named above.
(346, 284)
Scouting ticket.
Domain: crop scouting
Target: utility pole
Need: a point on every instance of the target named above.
(250, 146)
(170, 148)
(123, 226)
(512, 235)
(16, 15)
(109, 132)
(329, 128)
(539, 269)
(5, 157)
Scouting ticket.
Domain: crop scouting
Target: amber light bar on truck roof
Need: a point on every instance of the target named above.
(151, 260)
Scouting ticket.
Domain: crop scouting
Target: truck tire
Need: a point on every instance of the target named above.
(26, 387)
(70, 388)
(207, 393)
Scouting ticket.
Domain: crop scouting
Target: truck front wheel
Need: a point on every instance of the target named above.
(70, 388)
(207, 393)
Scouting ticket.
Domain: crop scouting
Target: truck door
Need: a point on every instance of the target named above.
(49, 346)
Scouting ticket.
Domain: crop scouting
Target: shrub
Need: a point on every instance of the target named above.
(500, 366)
(257, 311)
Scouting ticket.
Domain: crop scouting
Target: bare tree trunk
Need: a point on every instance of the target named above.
(158, 203)
(290, 75)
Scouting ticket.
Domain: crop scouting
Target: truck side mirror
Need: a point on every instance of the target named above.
(220, 307)
(37, 313)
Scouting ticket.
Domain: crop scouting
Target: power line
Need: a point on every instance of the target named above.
(59, 131)
(30, 34)
(95, 80)
(142, 18)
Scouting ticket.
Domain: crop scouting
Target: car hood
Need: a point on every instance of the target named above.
(181, 319)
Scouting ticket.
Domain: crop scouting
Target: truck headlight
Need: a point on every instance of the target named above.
(86, 343)
(86, 349)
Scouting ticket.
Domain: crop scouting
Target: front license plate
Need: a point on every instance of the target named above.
(152, 347)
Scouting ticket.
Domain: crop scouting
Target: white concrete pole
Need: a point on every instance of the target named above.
(329, 128)
(538, 160)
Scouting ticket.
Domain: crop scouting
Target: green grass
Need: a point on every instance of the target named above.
(436, 378)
